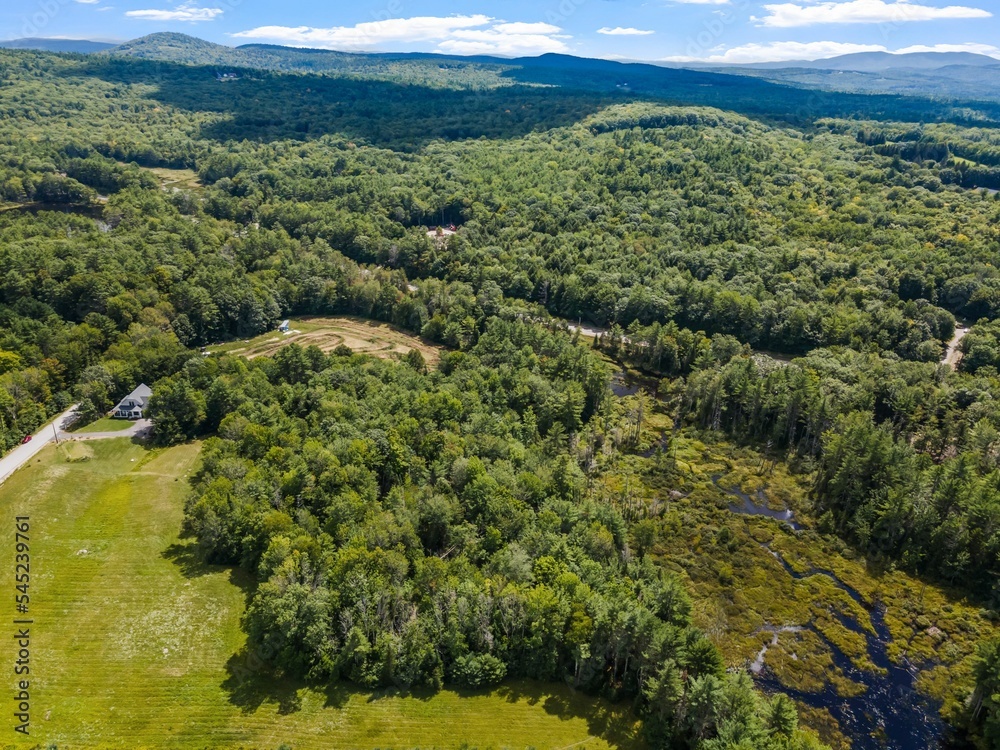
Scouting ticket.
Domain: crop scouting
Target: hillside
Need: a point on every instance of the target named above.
(952, 75)
(954, 82)
(175, 47)
(426, 70)
(57, 45)
(748, 94)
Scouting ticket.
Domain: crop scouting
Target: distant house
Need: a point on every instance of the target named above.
(285, 325)
(134, 404)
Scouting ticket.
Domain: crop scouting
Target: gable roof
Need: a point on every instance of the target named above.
(142, 392)
(139, 396)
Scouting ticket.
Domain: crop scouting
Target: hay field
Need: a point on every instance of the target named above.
(361, 335)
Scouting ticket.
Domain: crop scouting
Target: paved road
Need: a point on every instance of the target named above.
(24, 453)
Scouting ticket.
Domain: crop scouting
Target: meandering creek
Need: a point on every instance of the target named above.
(749, 507)
(890, 713)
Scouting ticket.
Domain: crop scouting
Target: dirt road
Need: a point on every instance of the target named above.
(952, 356)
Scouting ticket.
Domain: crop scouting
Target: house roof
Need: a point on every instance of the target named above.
(141, 393)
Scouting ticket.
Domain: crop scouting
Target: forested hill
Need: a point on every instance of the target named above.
(81, 46)
(742, 93)
(426, 70)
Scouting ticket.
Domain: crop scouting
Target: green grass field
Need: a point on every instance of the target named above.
(105, 424)
(136, 643)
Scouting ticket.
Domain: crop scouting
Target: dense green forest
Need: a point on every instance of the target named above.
(792, 288)
(416, 528)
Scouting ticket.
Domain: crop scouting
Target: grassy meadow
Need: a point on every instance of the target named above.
(136, 643)
(179, 179)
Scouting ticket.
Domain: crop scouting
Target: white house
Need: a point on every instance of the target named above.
(134, 404)
(285, 326)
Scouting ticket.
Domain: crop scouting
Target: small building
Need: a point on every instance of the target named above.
(285, 326)
(134, 404)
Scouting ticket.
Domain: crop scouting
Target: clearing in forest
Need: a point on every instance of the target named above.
(361, 335)
(136, 642)
(182, 179)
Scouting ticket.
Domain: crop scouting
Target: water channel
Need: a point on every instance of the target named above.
(890, 713)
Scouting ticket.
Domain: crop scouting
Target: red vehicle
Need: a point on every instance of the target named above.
(27, 439)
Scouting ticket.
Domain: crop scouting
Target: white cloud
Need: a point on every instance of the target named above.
(787, 51)
(977, 49)
(780, 52)
(619, 31)
(461, 35)
(526, 28)
(488, 42)
(88, 2)
(418, 29)
(788, 15)
(183, 12)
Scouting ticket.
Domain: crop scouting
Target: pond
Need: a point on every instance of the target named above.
(890, 713)
(622, 385)
(749, 507)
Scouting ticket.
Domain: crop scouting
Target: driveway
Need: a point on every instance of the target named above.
(140, 428)
(22, 454)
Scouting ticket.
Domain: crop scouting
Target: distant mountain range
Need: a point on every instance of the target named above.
(871, 62)
(57, 45)
(942, 75)
(952, 75)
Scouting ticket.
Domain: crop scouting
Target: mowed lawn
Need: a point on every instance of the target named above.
(136, 643)
(105, 424)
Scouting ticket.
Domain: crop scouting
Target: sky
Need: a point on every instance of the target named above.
(717, 31)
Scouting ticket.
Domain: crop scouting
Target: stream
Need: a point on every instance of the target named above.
(890, 713)
(748, 506)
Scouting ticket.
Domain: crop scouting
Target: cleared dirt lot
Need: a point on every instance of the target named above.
(363, 336)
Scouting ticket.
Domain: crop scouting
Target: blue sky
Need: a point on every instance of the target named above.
(712, 30)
